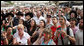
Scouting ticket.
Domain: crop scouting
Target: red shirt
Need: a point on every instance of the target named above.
(53, 31)
(2, 42)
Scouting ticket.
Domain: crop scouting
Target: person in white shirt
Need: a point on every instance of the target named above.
(38, 17)
(21, 37)
(79, 34)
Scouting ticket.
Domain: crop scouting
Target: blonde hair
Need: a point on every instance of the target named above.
(21, 26)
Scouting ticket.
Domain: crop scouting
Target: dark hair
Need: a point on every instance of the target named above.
(22, 21)
(44, 23)
(34, 23)
(19, 14)
(55, 17)
(48, 16)
(73, 19)
(29, 14)
(8, 27)
(72, 11)
(63, 18)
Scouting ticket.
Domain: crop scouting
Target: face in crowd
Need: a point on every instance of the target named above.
(81, 24)
(9, 30)
(47, 33)
(62, 20)
(54, 20)
(27, 17)
(72, 15)
(72, 22)
(20, 28)
(42, 23)
(38, 13)
(32, 23)
(21, 21)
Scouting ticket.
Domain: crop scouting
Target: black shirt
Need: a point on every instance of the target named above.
(27, 24)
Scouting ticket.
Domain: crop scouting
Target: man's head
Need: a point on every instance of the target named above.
(54, 20)
(81, 24)
(73, 21)
(39, 13)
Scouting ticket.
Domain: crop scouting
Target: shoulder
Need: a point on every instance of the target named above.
(15, 35)
(34, 17)
(77, 28)
(42, 17)
(53, 43)
(77, 32)
(26, 35)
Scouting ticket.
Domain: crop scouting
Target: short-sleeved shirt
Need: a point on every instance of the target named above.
(24, 39)
(75, 29)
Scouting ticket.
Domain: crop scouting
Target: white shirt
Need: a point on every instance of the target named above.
(38, 19)
(24, 39)
(79, 37)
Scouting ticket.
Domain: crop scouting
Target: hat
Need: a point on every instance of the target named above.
(19, 13)
(29, 14)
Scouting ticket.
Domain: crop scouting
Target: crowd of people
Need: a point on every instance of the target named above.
(42, 26)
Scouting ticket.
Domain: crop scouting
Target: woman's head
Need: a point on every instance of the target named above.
(20, 28)
(47, 33)
(9, 29)
(21, 21)
(42, 23)
(33, 23)
(62, 20)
